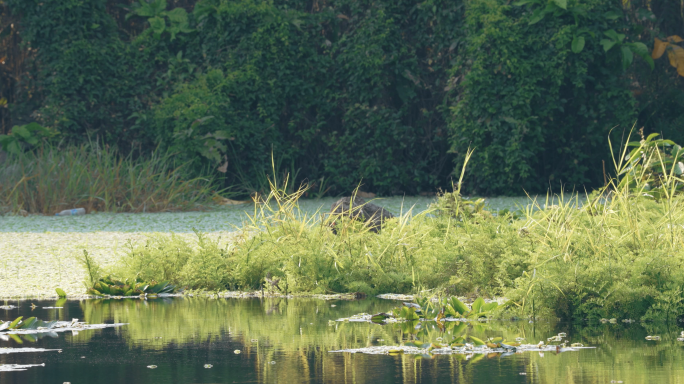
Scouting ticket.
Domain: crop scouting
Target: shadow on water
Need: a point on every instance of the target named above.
(287, 341)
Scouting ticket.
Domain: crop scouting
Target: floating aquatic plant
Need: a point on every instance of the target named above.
(445, 308)
(110, 287)
(32, 328)
(30, 323)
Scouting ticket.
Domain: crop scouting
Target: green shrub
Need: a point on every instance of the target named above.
(347, 90)
(619, 255)
(344, 92)
(535, 111)
(618, 262)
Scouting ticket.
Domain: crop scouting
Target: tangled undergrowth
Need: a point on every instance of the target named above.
(620, 254)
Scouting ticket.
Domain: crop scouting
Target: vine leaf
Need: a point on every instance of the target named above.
(537, 16)
(561, 3)
(577, 44)
(158, 25)
(608, 44)
(627, 56)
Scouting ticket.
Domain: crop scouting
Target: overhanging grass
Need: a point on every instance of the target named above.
(51, 179)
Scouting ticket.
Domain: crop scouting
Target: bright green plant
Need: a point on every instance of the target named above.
(426, 308)
(30, 323)
(23, 137)
(174, 21)
(111, 287)
(654, 168)
(627, 50)
(60, 292)
(455, 205)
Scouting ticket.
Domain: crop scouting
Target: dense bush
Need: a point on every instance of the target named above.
(342, 91)
(536, 111)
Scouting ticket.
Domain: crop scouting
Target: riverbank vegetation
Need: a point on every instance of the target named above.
(619, 254)
(49, 178)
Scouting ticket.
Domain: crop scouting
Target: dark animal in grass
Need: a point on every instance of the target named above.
(273, 282)
(357, 208)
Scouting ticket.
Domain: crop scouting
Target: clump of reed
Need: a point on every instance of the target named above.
(283, 248)
(621, 254)
(49, 179)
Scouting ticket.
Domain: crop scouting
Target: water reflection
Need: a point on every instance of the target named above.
(288, 341)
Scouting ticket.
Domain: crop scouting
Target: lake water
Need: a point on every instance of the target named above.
(216, 218)
(288, 341)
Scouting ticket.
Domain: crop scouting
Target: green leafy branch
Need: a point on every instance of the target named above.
(25, 136)
(174, 21)
(627, 50)
(613, 39)
(546, 7)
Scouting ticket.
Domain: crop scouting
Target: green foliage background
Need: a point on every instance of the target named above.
(388, 92)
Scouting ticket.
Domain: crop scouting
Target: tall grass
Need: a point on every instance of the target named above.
(51, 179)
(619, 254)
(302, 251)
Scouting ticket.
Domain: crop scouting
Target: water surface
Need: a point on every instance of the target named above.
(288, 341)
(220, 218)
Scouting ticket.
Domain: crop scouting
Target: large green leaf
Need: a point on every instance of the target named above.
(178, 16)
(477, 305)
(561, 3)
(22, 131)
(639, 48)
(642, 50)
(158, 25)
(15, 322)
(537, 16)
(489, 306)
(449, 310)
(627, 56)
(459, 306)
(578, 44)
(614, 35)
(608, 44)
(30, 323)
